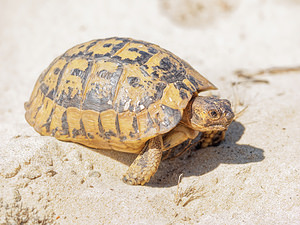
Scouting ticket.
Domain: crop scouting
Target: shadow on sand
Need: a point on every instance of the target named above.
(198, 161)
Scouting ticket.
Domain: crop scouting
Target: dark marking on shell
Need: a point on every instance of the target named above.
(121, 106)
(48, 121)
(183, 88)
(180, 85)
(100, 127)
(64, 124)
(127, 60)
(117, 58)
(117, 125)
(44, 88)
(133, 49)
(98, 56)
(155, 118)
(174, 76)
(77, 72)
(109, 134)
(107, 45)
(135, 125)
(118, 46)
(146, 101)
(75, 133)
(165, 124)
(88, 54)
(119, 38)
(159, 90)
(133, 81)
(152, 50)
(54, 131)
(90, 136)
(149, 123)
(139, 42)
(93, 102)
(87, 73)
(123, 138)
(175, 113)
(79, 54)
(194, 82)
(65, 100)
(145, 66)
(56, 71)
(165, 64)
(183, 95)
(131, 134)
(80, 131)
(39, 108)
(170, 113)
(144, 72)
(104, 74)
(115, 79)
(59, 80)
(107, 54)
(154, 75)
(143, 58)
(37, 111)
(51, 94)
(131, 107)
(91, 45)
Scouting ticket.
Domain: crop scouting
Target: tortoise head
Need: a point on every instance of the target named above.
(210, 113)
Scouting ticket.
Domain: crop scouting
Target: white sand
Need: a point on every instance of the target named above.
(251, 178)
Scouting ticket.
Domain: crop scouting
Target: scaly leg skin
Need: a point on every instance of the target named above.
(212, 138)
(146, 164)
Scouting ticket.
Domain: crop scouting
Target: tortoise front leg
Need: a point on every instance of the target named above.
(212, 138)
(146, 164)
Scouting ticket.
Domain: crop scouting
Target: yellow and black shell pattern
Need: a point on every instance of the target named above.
(113, 93)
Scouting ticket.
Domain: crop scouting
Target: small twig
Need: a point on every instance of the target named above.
(272, 70)
(237, 115)
(252, 80)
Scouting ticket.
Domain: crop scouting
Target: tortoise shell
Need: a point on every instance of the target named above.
(113, 93)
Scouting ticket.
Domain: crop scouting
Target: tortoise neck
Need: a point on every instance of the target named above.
(187, 114)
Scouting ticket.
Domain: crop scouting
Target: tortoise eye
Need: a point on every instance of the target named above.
(213, 114)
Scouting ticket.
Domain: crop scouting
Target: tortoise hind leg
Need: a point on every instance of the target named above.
(146, 164)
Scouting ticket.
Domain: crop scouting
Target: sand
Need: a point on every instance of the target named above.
(253, 177)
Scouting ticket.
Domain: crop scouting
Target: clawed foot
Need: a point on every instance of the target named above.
(146, 164)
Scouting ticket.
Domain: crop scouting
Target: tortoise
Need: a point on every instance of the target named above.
(129, 96)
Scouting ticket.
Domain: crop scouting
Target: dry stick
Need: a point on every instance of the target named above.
(272, 70)
(237, 115)
(252, 80)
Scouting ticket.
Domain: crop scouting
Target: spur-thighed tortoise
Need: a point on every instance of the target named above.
(126, 95)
